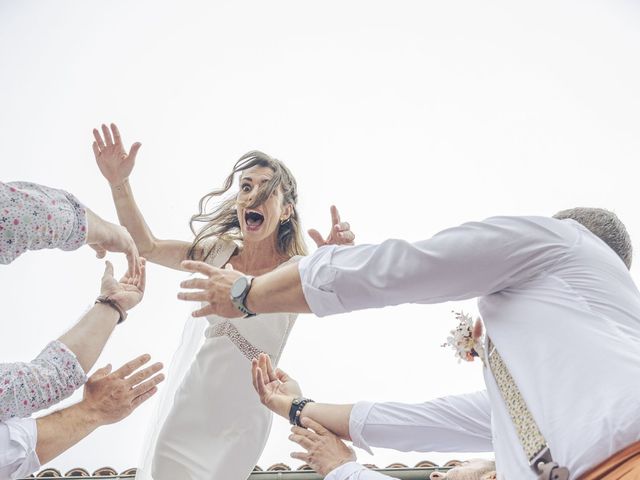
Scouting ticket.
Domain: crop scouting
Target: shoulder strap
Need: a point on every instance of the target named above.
(531, 439)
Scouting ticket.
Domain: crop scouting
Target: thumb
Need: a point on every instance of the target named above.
(228, 266)
(100, 252)
(282, 375)
(108, 269)
(134, 151)
(316, 237)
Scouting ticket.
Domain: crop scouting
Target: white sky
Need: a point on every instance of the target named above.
(411, 116)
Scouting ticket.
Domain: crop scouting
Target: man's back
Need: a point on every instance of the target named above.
(567, 324)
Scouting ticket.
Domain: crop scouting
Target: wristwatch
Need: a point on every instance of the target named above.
(239, 291)
(113, 304)
(297, 404)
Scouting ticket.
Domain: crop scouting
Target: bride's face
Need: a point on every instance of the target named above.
(262, 221)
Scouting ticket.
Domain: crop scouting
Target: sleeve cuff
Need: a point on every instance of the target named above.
(78, 234)
(58, 352)
(317, 276)
(357, 420)
(343, 472)
(24, 432)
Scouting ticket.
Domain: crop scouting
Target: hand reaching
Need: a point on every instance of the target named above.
(106, 237)
(112, 158)
(340, 233)
(275, 388)
(110, 397)
(324, 450)
(128, 292)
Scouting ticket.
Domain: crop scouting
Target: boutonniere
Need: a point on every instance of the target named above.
(466, 339)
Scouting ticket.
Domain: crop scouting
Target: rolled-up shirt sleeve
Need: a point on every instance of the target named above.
(35, 216)
(28, 387)
(471, 260)
(18, 458)
(457, 423)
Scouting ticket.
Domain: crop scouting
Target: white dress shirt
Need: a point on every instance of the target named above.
(18, 459)
(558, 303)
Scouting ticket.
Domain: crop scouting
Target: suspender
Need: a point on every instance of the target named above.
(531, 439)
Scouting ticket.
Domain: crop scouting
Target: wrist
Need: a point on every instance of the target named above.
(119, 186)
(284, 406)
(90, 415)
(114, 305)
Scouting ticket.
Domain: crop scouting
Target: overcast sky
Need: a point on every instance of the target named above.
(410, 116)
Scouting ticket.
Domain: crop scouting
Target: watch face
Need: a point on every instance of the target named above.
(239, 287)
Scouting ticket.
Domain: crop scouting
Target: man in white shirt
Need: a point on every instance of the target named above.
(557, 301)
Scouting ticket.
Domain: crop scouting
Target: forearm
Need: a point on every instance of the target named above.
(61, 430)
(89, 336)
(278, 291)
(332, 417)
(169, 253)
(131, 218)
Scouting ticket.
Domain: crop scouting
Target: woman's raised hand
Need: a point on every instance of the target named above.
(340, 233)
(112, 158)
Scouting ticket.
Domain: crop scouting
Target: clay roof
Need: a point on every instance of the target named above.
(106, 472)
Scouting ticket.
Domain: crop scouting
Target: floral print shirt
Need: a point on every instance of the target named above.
(28, 387)
(34, 216)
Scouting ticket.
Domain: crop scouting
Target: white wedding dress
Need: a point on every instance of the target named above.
(210, 424)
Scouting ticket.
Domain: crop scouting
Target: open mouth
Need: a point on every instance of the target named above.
(253, 219)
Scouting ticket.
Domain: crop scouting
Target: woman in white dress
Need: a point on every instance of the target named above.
(210, 425)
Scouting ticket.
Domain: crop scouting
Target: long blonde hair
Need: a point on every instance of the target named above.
(222, 220)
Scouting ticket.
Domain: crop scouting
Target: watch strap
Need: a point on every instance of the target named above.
(296, 409)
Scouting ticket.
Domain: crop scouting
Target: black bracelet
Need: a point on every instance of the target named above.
(296, 409)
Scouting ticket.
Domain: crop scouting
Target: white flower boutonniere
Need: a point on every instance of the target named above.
(466, 339)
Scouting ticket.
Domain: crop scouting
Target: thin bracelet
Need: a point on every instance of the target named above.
(104, 299)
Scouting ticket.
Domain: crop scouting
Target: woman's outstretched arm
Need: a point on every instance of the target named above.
(116, 165)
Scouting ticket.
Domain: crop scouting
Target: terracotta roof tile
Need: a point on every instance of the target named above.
(278, 467)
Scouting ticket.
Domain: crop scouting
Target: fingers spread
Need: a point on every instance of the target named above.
(99, 141)
(142, 375)
(96, 150)
(146, 386)
(116, 134)
(198, 267)
(193, 296)
(107, 135)
(200, 283)
(131, 366)
(143, 398)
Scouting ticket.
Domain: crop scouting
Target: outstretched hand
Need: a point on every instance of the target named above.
(275, 388)
(128, 292)
(340, 233)
(113, 160)
(215, 289)
(110, 397)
